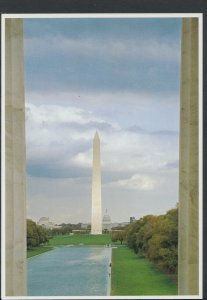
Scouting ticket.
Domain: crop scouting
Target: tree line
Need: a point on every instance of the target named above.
(36, 234)
(156, 238)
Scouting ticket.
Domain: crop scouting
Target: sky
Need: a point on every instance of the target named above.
(119, 76)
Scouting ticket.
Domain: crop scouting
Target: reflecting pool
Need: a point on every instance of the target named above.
(70, 271)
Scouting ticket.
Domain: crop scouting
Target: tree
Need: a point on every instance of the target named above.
(131, 235)
(147, 227)
(43, 234)
(32, 234)
(118, 235)
(36, 234)
(157, 238)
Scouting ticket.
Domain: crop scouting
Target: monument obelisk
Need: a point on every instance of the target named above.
(96, 220)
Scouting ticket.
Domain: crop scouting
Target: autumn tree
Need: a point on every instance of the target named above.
(118, 235)
(157, 238)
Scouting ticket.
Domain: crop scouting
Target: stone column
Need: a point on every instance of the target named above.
(188, 235)
(15, 204)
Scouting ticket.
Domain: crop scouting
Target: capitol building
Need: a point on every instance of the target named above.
(106, 222)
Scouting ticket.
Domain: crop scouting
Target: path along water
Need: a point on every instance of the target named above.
(70, 271)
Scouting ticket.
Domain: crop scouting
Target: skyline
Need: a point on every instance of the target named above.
(117, 76)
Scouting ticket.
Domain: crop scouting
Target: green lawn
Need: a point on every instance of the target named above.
(133, 275)
(85, 239)
(62, 240)
(38, 250)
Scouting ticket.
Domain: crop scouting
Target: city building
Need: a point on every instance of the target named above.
(47, 223)
(132, 219)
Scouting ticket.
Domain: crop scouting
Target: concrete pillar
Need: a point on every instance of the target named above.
(188, 242)
(96, 222)
(15, 204)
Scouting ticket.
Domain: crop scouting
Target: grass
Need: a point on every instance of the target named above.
(133, 275)
(38, 250)
(63, 240)
(85, 239)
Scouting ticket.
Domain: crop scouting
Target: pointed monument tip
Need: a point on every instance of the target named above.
(96, 135)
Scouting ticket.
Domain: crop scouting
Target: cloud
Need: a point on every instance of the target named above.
(140, 130)
(114, 63)
(91, 124)
(171, 165)
(148, 111)
(83, 159)
(59, 144)
(137, 182)
(101, 27)
(86, 99)
(130, 49)
(53, 113)
(69, 199)
(59, 140)
(60, 199)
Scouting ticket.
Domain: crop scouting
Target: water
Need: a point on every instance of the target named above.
(70, 271)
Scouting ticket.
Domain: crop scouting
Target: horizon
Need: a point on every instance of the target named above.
(112, 221)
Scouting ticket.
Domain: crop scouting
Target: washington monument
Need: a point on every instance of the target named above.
(96, 221)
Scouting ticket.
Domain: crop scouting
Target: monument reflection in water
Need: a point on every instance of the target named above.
(70, 271)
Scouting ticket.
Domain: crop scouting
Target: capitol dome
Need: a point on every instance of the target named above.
(106, 223)
(106, 218)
